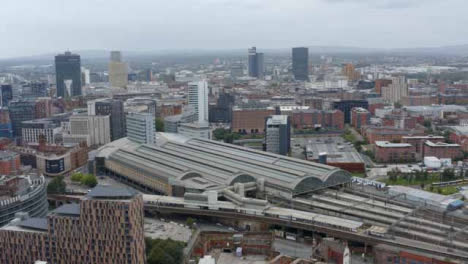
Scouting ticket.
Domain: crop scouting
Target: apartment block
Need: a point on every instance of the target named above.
(105, 227)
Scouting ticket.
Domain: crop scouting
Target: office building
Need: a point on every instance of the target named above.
(195, 130)
(346, 106)
(34, 130)
(278, 134)
(250, 120)
(92, 129)
(256, 63)
(197, 97)
(6, 129)
(113, 108)
(106, 226)
(300, 63)
(396, 90)
(171, 123)
(118, 71)
(6, 94)
(350, 72)
(222, 111)
(68, 74)
(21, 110)
(140, 128)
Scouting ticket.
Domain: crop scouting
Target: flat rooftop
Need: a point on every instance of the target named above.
(336, 148)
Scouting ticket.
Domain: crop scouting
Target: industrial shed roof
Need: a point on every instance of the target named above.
(214, 163)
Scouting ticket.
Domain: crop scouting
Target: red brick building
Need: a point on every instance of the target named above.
(390, 254)
(387, 152)
(379, 83)
(306, 119)
(390, 134)
(360, 117)
(418, 143)
(10, 163)
(459, 135)
(442, 150)
(250, 120)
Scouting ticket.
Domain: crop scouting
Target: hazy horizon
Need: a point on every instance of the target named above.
(32, 27)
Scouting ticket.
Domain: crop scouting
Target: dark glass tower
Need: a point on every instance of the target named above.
(300, 63)
(6, 94)
(256, 63)
(21, 111)
(68, 72)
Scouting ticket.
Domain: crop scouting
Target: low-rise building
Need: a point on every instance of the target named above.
(442, 150)
(10, 163)
(360, 117)
(195, 130)
(387, 152)
(418, 143)
(312, 119)
(391, 134)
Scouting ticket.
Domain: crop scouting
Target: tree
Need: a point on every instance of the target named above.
(190, 221)
(159, 125)
(167, 251)
(89, 180)
(57, 186)
(76, 177)
(448, 175)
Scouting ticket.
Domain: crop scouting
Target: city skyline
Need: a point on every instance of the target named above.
(227, 25)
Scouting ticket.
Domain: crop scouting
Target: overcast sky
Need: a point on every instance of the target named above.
(29, 27)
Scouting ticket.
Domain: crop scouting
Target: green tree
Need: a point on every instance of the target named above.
(190, 221)
(77, 177)
(89, 180)
(160, 251)
(159, 125)
(57, 186)
(448, 175)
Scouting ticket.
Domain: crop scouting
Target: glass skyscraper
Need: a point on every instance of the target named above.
(68, 73)
(300, 63)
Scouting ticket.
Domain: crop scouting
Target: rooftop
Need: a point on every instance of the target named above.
(387, 144)
(68, 209)
(109, 192)
(440, 144)
(179, 159)
(336, 148)
(277, 120)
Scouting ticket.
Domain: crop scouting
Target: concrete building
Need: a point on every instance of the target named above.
(394, 152)
(33, 130)
(334, 151)
(118, 71)
(9, 163)
(300, 63)
(113, 108)
(94, 130)
(278, 134)
(26, 194)
(195, 130)
(140, 127)
(171, 123)
(68, 74)
(105, 227)
(395, 91)
(197, 97)
(360, 117)
(250, 120)
(256, 63)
